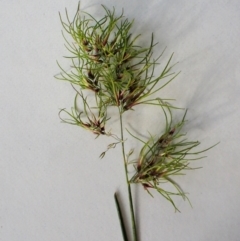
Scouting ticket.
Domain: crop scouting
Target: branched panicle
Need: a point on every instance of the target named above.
(107, 62)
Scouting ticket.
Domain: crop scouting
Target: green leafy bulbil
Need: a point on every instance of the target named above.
(106, 60)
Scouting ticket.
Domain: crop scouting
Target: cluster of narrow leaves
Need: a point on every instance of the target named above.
(164, 156)
(106, 60)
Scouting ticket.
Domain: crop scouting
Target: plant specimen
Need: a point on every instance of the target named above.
(109, 69)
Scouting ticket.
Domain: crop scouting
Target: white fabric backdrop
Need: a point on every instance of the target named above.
(52, 184)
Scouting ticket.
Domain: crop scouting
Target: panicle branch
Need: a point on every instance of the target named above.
(164, 157)
(106, 60)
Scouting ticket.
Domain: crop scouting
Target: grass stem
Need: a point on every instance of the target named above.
(134, 228)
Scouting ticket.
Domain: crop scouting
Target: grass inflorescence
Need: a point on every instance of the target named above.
(110, 69)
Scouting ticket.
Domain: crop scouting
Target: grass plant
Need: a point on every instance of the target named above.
(109, 69)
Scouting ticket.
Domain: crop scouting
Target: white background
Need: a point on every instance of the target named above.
(52, 184)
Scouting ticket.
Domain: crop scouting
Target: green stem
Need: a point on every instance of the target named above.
(134, 229)
(120, 216)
